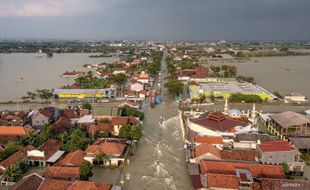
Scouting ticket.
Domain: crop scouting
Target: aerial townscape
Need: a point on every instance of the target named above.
(126, 95)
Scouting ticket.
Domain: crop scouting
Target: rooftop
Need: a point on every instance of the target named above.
(107, 148)
(218, 122)
(211, 140)
(62, 172)
(72, 159)
(228, 168)
(275, 146)
(14, 131)
(289, 119)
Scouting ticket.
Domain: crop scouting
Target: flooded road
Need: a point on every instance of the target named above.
(159, 162)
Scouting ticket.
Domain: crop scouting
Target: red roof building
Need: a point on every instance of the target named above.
(229, 168)
(68, 173)
(72, 159)
(217, 121)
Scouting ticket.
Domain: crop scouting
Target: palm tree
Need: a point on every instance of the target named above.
(12, 173)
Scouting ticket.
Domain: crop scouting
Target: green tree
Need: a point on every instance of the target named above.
(85, 170)
(249, 98)
(285, 168)
(31, 95)
(48, 131)
(135, 132)
(124, 131)
(86, 106)
(12, 173)
(128, 111)
(174, 87)
(44, 94)
(10, 148)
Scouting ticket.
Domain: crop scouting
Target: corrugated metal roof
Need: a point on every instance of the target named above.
(56, 156)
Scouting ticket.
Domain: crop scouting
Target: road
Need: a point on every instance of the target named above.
(159, 162)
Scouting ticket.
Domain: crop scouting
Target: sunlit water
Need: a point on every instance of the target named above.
(37, 71)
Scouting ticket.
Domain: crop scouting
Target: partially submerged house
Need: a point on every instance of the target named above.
(115, 152)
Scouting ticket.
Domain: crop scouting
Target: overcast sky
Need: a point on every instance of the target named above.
(156, 19)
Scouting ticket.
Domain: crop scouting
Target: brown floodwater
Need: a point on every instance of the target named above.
(38, 72)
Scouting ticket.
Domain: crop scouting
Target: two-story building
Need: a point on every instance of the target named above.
(279, 152)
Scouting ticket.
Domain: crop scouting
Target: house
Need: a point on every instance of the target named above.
(129, 104)
(72, 159)
(292, 97)
(135, 95)
(206, 151)
(29, 182)
(215, 141)
(96, 130)
(66, 173)
(197, 74)
(15, 119)
(16, 157)
(88, 185)
(70, 114)
(36, 182)
(62, 124)
(13, 133)
(116, 152)
(136, 86)
(118, 122)
(289, 124)
(278, 152)
(86, 120)
(41, 118)
(46, 154)
(217, 124)
(234, 175)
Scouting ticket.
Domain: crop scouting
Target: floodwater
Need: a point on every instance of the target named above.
(38, 72)
(285, 74)
(159, 162)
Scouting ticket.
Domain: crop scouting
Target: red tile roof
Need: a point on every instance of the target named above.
(257, 170)
(211, 140)
(29, 182)
(50, 147)
(236, 154)
(15, 131)
(55, 184)
(218, 122)
(72, 159)
(222, 181)
(46, 112)
(119, 121)
(274, 146)
(70, 114)
(62, 124)
(100, 127)
(206, 148)
(87, 185)
(14, 158)
(62, 172)
(107, 148)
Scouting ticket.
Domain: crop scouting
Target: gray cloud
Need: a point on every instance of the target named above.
(160, 19)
